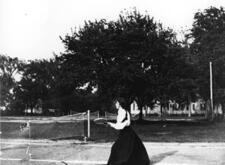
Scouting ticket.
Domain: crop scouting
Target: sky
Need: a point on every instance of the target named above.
(30, 29)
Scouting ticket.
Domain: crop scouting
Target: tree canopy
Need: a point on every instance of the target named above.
(9, 68)
(133, 57)
(208, 34)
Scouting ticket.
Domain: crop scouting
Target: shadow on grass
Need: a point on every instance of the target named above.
(160, 157)
(81, 138)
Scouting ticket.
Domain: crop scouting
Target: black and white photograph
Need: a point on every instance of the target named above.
(112, 82)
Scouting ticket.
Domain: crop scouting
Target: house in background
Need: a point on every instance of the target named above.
(174, 109)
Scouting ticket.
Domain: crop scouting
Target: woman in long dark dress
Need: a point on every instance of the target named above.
(128, 149)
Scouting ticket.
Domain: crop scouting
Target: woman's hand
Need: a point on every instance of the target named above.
(113, 125)
(117, 126)
(109, 124)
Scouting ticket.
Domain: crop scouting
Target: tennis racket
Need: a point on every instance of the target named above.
(102, 121)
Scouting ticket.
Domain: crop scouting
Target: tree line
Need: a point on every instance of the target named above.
(133, 57)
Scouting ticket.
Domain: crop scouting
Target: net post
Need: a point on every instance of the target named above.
(28, 125)
(29, 132)
(88, 123)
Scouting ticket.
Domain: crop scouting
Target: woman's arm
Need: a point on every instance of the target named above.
(119, 124)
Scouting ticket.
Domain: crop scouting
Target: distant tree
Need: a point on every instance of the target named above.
(182, 77)
(9, 69)
(208, 35)
(36, 84)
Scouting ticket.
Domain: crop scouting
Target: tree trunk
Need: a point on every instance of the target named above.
(212, 113)
(189, 106)
(208, 110)
(223, 106)
(161, 112)
(102, 111)
(141, 113)
(189, 110)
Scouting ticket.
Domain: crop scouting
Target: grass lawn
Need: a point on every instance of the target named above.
(182, 131)
(149, 131)
(170, 131)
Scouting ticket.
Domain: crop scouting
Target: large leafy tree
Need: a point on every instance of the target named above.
(129, 57)
(110, 56)
(158, 65)
(208, 35)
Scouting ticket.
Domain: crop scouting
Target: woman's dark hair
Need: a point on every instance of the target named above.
(122, 102)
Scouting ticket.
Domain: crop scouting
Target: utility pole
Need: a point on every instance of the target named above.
(211, 87)
(88, 124)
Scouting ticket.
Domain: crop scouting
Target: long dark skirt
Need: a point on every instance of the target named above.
(128, 149)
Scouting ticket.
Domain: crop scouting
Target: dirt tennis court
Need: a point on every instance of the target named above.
(71, 152)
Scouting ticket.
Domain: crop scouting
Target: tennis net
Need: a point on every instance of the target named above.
(63, 127)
